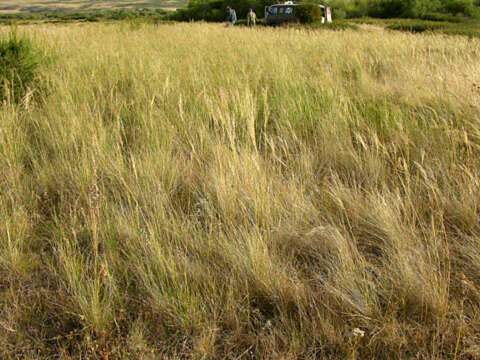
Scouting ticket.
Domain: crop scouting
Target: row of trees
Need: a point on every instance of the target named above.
(426, 9)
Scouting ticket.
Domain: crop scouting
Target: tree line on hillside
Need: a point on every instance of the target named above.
(92, 16)
(449, 10)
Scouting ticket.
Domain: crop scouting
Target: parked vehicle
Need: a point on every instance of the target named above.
(285, 13)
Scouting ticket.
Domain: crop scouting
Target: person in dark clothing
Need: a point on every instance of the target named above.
(231, 16)
(251, 17)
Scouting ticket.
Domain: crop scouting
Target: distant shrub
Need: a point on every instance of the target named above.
(443, 17)
(464, 7)
(414, 27)
(418, 26)
(308, 13)
(208, 11)
(390, 8)
(339, 14)
(359, 8)
(19, 63)
(422, 9)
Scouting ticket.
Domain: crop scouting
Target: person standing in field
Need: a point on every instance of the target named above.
(251, 17)
(231, 16)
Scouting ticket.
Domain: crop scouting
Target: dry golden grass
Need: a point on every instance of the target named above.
(192, 191)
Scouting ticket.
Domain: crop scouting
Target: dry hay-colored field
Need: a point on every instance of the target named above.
(195, 191)
(34, 6)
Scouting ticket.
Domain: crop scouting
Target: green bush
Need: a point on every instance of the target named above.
(356, 8)
(208, 11)
(339, 14)
(19, 63)
(464, 7)
(390, 8)
(442, 17)
(308, 13)
(421, 8)
(418, 26)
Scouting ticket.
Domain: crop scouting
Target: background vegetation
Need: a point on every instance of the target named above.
(191, 191)
(408, 8)
(456, 10)
(470, 29)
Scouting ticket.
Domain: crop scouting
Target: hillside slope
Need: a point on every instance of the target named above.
(14, 6)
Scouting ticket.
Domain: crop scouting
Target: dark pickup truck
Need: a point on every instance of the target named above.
(285, 13)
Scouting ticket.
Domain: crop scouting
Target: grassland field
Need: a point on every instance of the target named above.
(190, 191)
